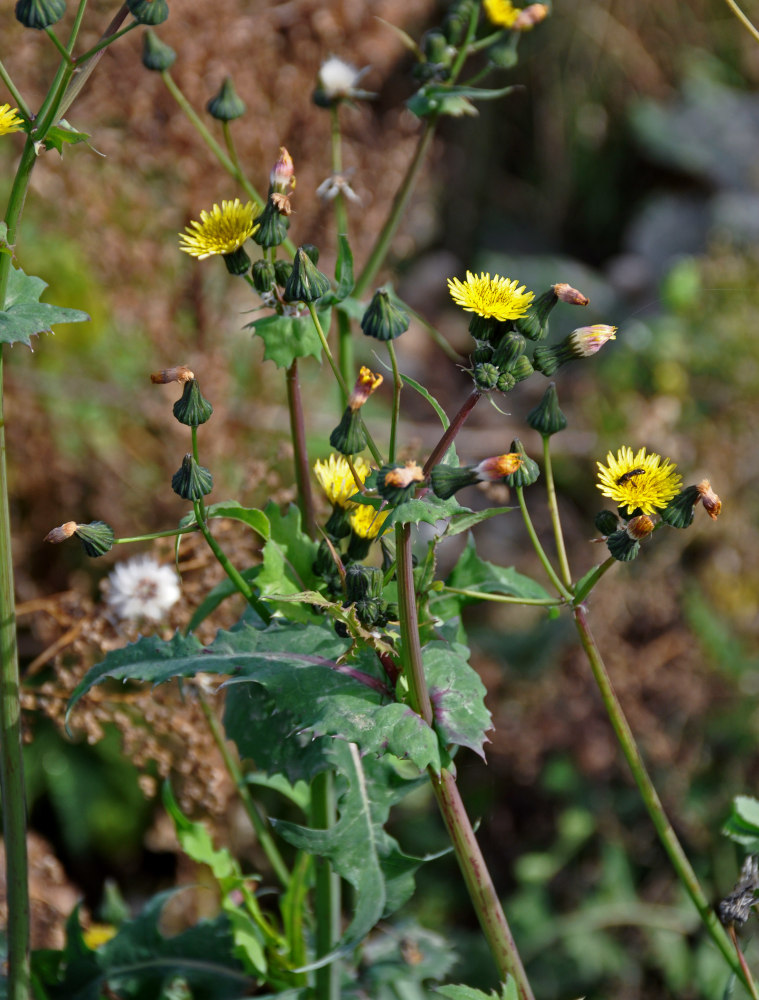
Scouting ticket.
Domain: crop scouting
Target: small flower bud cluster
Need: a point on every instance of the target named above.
(363, 590)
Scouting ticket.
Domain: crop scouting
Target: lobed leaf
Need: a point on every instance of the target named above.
(24, 316)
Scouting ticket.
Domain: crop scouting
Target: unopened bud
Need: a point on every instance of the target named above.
(226, 105)
(306, 283)
(528, 17)
(640, 526)
(191, 481)
(148, 11)
(156, 55)
(493, 469)
(383, 319)
(547, 418)
(527, 472)
(565, 293)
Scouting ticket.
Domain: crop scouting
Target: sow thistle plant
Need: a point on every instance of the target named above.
(347, 679)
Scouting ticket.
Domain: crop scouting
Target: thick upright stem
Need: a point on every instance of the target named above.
(327, 889)
(651, 799)
(411, 650)
(298, 434)
(451, 431)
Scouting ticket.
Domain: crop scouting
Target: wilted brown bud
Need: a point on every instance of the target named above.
(281, 202)
(639, 527)
(404, 476)
(282, 176)
(493, 469)
(565, 292)
(530, 16)
(61, 533)
(179, 374)
(710, 500)
(366, 383)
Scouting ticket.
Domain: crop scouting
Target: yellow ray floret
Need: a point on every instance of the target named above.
(336, 478)
(220, 231)
(493, 298)
(638, 481)
(501, 12)
(9, 120)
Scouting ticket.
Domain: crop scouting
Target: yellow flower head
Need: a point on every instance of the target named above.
(220, 231)
(496, 298)
(9, 120)
(638, 482)
(366, 522)
(501, 12)
(336, 479)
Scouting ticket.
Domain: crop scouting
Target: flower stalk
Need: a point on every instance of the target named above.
(540, 551)
(298, 434)
(553, 508)
(451, 431)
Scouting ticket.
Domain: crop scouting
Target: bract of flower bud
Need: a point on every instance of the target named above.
(534, 324)
(282, 176)
(482, 328)
(383, 319)
(710, 500)
(366, 383)
(485, 376)
(180, 373)
(547, 418)
(349, 437)
(492, 470)
(362, 582)
(529, 16)
(238, 262)
(521, 368)
(397, 483)
(311, 251)
(226, 105)
(457, 19)
(192, 409)
(528, 471)
(40, 14)
(565, 293)
(282, 271)
(446, 480)
(61, 533)
(264, 276)
(607, 522)
(191, 481)
(338, 524)
(156, 55)
(640, 526)
(621, 546)
(508, 349)
(148, 11)
(96, 538)
(272, 226)
(306, 283)
(481, 354)
(679, 511)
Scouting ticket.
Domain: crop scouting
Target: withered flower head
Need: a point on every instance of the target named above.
(180, 373)
(640, 526)
(404, 476)
(565, 293)
(710, 500)
(61, 533)
(493, 469)
(366, 383)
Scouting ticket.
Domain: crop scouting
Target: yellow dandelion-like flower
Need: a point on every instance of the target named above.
(367, 522)
(9, 120)
(496, 298)
(336, 479)
(638, 482)
(220, 231)
(501, 12)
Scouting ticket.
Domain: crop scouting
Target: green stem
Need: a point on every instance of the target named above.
(553, 507)
(85, 69)
(169, 533)
(260, 825)
(651, 799)
(239, 581)
(539, 548)
(476, 875)
(327, 889)
(397, 386)
(451, 431)
(59, 45)
(344, 338)
(105, 42)
(298, 434)
(15, 94)
(338, 375)
(548, 602)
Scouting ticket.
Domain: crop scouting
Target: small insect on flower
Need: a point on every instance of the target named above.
(627, 476)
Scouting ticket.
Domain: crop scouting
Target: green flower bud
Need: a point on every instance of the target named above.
(358, 548)
(581, 343)
(306, 283)
(226, 105)
(449, 479)
(527, 473)
(362, 582)
(383, 319)
(606, 521)
(679, 511)
(349, 437)
(509, 348)
(339, 523)
(282, 271)
(273, 226)
(521, 368)
(191, 481)
(96, 537)
(156, 55)
(456, 20)
(397, 483)
(485, 376)
(621, 546)
(534, 324)
(547, 418)
(265, 276)
(192, 409)
(312, 252)
(481, 354)
(40, 13)
(148, 11)
(238, 262)
(482, 327)
(506, 382)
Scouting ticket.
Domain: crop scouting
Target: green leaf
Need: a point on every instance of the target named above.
(742, 825)
(353, 308)
(418, 387)
(137, 962)
(252, 516)
(473, 573)
(508, 992)
(437, 99)
(430, 509)
(62, 134)
(24, 315)
(587, 582)
(465, 521)
(289, 337)
(287, 560)
(457, 695)
(343, 273)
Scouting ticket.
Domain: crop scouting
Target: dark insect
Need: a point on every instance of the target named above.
(629, 475)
